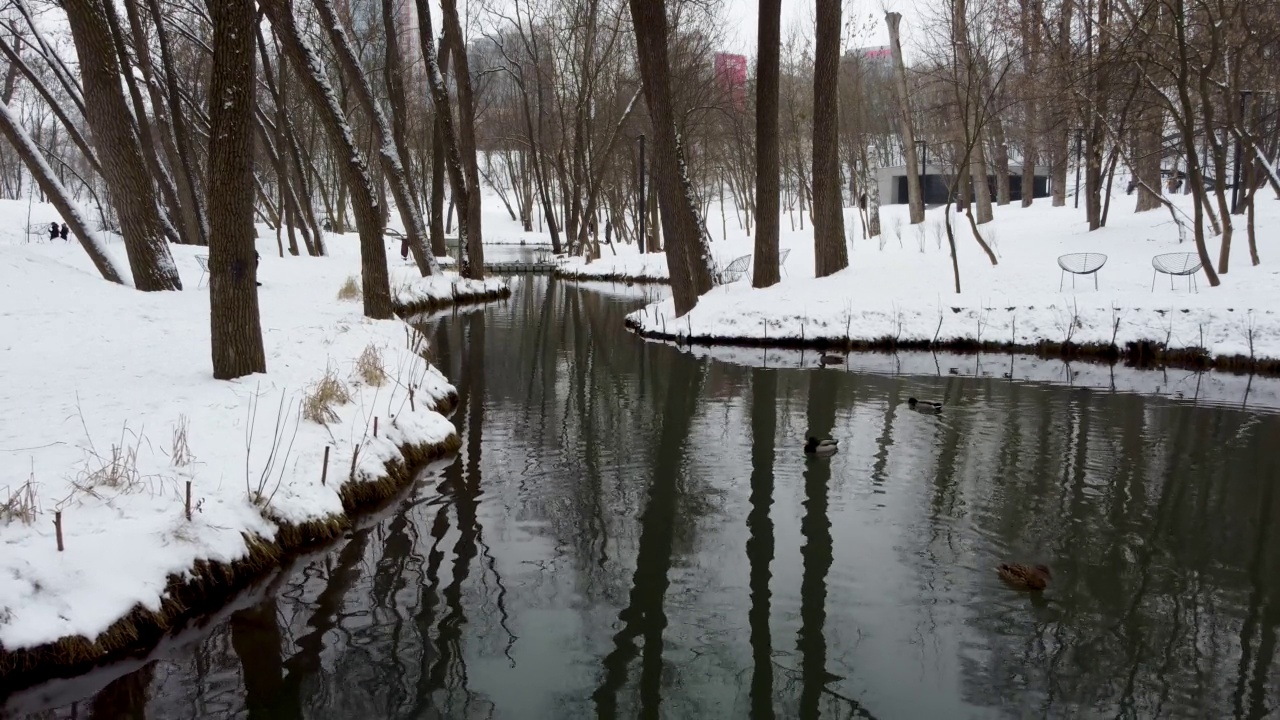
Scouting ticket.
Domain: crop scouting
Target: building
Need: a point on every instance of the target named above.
(731, 76)
(937, 178)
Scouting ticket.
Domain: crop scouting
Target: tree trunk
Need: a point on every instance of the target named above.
(981, 180)
(915, 193)
(688, 257)
(124, 170)
(1059, 152)
(831, 255)
(190, 212)
(769, 45)
(466, 138)
(440, 96)
(355, 171)
(1195, 177)
(1150, 132)
(390, 141)
(236, 329)
(181, 135)
(438, 245)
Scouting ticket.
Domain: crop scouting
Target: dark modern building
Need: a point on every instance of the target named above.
(937, 178)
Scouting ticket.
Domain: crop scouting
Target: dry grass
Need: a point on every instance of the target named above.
(350, 289)
(20, 505)
(180, 452)
(117, 470)
(369, 367)
(319, 400)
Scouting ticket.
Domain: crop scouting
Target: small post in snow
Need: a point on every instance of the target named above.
(57, 526)
(324, 470)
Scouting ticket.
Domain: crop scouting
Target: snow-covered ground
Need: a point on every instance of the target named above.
(628, 265)
(900, 286)
(110, 410)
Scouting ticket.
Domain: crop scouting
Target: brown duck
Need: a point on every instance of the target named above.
(1025, 577)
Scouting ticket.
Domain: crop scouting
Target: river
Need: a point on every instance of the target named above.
(632, 530)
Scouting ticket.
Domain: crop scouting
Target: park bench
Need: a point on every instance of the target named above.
(1183, 263)
(1080, 264)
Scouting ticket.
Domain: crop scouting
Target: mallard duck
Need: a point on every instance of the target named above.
(820, 447)
(828, 359)
(924, 406)
(1025, 577)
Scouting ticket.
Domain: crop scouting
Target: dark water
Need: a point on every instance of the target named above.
(630, 531)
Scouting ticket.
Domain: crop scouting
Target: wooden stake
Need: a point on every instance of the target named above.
(375, 426)
(57, 526)
(355, 455)
(188, 501)
(324, 471)
(411, 407)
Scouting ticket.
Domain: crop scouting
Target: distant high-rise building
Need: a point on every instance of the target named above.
(731, 75)
(874, 58)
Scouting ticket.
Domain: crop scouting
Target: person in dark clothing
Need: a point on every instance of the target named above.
(404, 248)
(53, 231)
(65, 231)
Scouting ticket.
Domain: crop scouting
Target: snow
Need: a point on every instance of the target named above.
(446, 287)
(627, 265)
(89, 365)
(903, 287)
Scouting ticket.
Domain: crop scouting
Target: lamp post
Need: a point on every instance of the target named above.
(643, 197)
(1079, 150)
(924, 169)
(1235, 183)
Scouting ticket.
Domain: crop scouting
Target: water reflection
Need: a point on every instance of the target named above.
(631, 530)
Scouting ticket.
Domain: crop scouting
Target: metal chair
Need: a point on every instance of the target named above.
(1183, 263)
(1080, 264)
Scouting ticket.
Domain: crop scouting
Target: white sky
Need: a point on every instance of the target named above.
(743, 15)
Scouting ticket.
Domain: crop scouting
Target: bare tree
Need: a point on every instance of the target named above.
(688, 255)
(767, 216)
(831, 253)
(474, 267)
(236, 338)
(373, 253)
(390, 144)
(128, 183)
(915, 196)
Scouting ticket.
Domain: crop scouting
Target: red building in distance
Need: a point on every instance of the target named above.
(731, 76)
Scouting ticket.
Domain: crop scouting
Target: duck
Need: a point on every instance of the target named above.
(829, 359)
(820, 447)
(924, 406)
(1025, 577)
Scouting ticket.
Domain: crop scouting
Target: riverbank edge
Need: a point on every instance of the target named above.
(560, 273)
(430, 304)
(208, 585)
(1139, 353)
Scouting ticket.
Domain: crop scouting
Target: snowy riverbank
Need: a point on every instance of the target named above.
(113, 412)
(898, 291)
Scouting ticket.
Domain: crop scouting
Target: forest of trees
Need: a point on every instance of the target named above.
(545, 101)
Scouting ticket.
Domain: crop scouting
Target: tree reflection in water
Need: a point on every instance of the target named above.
(631, 530)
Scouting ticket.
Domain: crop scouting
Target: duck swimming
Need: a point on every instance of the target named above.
(1024, 577)
(829, 359)
(820, 447)
(924, 406)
